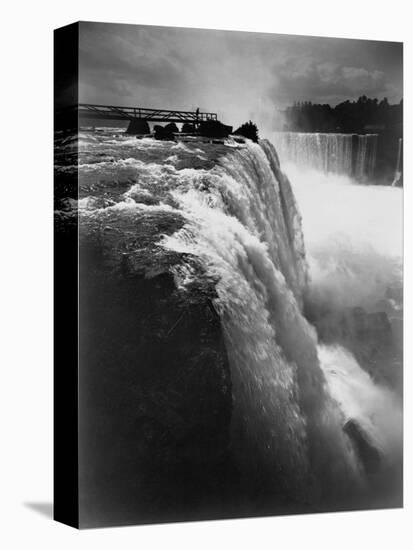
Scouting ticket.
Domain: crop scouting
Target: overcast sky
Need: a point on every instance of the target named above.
(238, 75)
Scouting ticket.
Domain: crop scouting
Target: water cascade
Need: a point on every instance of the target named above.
(246, 232)
(365, 157)
(348, 154)
(305, 420)
(398, 172)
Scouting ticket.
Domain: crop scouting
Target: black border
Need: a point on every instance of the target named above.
(66, 281)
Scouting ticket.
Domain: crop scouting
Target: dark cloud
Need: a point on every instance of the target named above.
(239, 75)
(327, 82)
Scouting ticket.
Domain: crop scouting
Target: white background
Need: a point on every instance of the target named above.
(26, 273)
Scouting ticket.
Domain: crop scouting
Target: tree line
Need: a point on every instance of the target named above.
(361, 116)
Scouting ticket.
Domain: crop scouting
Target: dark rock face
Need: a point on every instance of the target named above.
(368, 455)
(138, 126)
(165, 132)
(156, 396)
(366, 326)
(369, 336)
(172, 127)
(188, 128)
(214, 129)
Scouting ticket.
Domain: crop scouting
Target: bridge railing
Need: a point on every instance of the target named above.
(128, 113)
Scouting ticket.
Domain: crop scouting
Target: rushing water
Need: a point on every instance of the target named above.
(349, 154)
(354, 246)
(398, 170)
(238, 223)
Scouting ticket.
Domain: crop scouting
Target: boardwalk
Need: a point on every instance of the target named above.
(112, 112)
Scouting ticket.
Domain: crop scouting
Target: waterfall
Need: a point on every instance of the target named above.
(308, 423)
(244, 228)
(348, 154)
(366, 156)
(398, 171)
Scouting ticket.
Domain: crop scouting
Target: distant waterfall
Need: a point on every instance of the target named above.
(398, 172)
(349, 154)
(366, 152)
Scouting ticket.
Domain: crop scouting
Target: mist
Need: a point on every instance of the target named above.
(353, 237)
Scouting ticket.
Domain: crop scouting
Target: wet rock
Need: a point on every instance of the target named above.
(248, 130)
(138, 126)
(157, 397)
(368, 454)
(188, 128)
(369, 336)
(171, 127)
(214, 129)
(165, 133)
